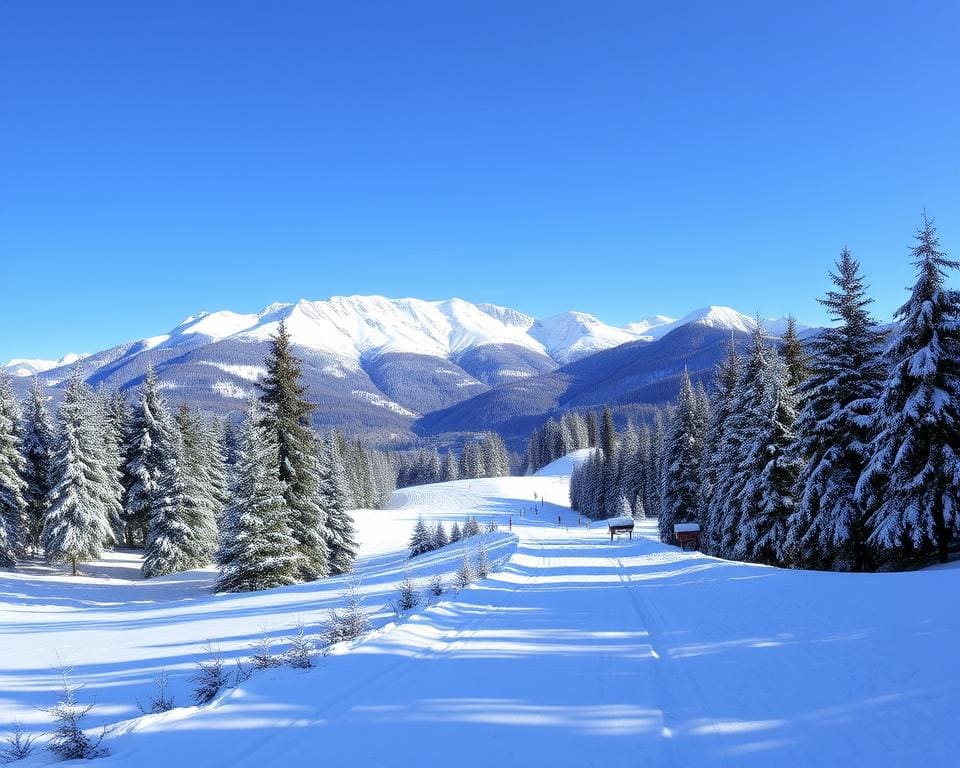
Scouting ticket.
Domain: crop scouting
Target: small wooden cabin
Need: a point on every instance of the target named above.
(687, 536)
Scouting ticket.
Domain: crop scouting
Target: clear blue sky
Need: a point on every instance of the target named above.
(622, 158)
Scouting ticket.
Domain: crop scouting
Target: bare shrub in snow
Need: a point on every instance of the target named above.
(263, 656)
(483, 561)
(436, 584)
(465, 574)
(69, 741)
(210, 676)
(408, 597)
(300, 653)
(17, 745)
(159, 700)
(349, 622)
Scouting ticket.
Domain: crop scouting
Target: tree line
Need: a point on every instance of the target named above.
(485, 456)
(839, 454)
(266, 500)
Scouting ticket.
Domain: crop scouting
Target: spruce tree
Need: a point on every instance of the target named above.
(684, 451)
(341, 537)
(420, 540)
(286, 413)
(201, 498)
(720, 445)
(111, 460)
(440, 539)
(763, 484)
(912, 481)
(76, 526)
(39, 437)
(170, 544)
(143, 458)
(14, 528)
(257, 550)
(794, 354)
(451, 467)
(829, 527)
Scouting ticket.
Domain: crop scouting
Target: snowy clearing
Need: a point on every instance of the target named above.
(577, 652)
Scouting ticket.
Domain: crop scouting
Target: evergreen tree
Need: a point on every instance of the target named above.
(286, 413)
(455, 534)
(684, 451)
(440, 539)
(654, 482)
(258, 550)
(763, 481)
(341, 537)
(829, 526)
(912, 481)
(451, 467)
(111, 456)
(722, 446)
(170, 546)
(14, 528)
(794, 355)
(202, 500)
(143, 458)
(420, 541)
(76, 525)
(39, 439)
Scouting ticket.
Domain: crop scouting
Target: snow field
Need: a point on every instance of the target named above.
(578, 652)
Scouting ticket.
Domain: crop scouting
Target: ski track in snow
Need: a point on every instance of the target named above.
(575, 652)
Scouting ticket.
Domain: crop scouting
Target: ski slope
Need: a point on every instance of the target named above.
(576, 652)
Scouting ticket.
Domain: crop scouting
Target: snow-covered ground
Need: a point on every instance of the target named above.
(577, 652)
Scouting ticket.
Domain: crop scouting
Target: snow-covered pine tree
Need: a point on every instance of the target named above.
(828, 528)
(201, 500)
(721, 453)
(684, 451)
(286, 412)
(451, 467)
(471, 464)
(213, 451)
(143, 459)
(794, 354)
(170, 546)
(654, 473)
(111, 456)
(421, 541)
(593, 430)
(39, 438)
(764, 481)
(341, 537)
(76, 526)
(14, 527)
(439, 537)
(455, 534)
(257, 550)
(496, 463)
(912, 480)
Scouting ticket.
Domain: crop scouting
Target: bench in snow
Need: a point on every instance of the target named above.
(620, 525)
(687, 536)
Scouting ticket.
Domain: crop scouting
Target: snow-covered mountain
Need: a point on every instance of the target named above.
(376, 364)
(31, 367)
(721, 318)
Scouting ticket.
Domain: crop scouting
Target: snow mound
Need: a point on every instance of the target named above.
(564, 466)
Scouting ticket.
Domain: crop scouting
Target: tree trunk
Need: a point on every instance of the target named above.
(73, 562)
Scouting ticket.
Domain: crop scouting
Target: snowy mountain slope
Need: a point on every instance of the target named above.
(723, 318)
(571, 336)
(375, 365)
(577, 652)
(25, 367)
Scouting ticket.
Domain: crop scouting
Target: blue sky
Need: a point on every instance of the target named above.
(621, 158)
